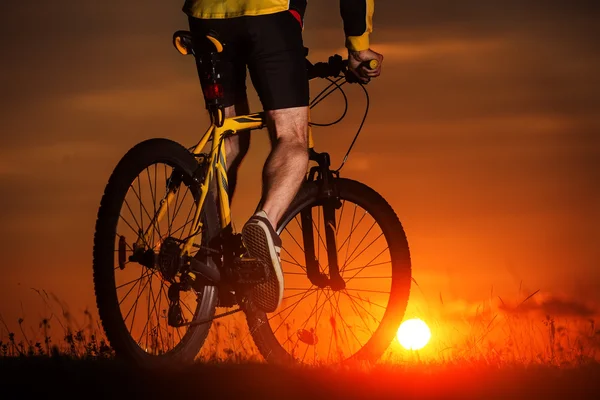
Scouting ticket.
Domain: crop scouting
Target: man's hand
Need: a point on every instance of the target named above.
(356, 58)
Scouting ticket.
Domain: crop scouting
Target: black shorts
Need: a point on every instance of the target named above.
(271, 47)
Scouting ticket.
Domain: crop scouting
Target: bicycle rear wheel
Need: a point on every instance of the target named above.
(133, 297)
(325, 326)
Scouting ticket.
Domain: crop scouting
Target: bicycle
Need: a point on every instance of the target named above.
(201, 266)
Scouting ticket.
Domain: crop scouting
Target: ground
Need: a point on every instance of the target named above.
(20, 377)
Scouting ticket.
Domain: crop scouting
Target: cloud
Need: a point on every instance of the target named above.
(472, 312)
(551, 305)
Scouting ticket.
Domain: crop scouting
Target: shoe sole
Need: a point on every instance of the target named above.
(259, 244)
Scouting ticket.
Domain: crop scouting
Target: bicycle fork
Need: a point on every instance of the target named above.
(329, 200)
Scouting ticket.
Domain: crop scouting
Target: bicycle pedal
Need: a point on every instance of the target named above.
(250, 271)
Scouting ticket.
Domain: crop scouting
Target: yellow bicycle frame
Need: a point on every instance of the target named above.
(218, 163)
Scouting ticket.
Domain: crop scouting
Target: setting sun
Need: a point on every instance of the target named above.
(413, 334)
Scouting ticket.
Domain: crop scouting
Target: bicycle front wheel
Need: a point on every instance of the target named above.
(133, 297)
(315, 325)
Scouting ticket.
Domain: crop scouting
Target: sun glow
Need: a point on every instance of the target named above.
(413, 334)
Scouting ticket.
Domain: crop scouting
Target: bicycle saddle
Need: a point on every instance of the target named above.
(182, 40)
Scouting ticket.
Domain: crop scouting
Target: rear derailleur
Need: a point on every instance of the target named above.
(175, 313)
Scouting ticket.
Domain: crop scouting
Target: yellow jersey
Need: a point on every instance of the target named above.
(357, 15)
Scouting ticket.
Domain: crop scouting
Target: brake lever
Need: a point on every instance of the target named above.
(353, 78)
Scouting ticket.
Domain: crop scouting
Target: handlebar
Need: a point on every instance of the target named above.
(334, 67)
(182, 40)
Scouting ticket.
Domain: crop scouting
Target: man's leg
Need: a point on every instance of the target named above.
(277, 68)
(236, 146)
(285, 167)
(283, 174)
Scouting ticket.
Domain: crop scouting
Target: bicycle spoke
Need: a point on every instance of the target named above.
(153, 195)
(152, 332)
(337, 227)
(295, 295)
(168, 216)
(352, 319)
(359, 304)
(188, 220)
(295, 261)
(361, 241)
(363, 300)
(149, 318)
(344, 321)
(352, 304)
(362, 268)
(141, 215)
(352, 228)
(128, 283)
(367, 266)
(130, 227)
(368, 291)
(140, 229)
(307, 294)
(315, 309)
(318, 234)
(134, 307)
(295, 241)
(139, 279)
(142, 207)
(373, 277)
(359, 254)
(182, 228)
(156, 309)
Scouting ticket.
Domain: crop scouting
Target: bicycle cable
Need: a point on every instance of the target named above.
(318, 98)
(337, 171)
(322, 95)
(328, 90)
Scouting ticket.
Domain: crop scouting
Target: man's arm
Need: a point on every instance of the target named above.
(358, 22)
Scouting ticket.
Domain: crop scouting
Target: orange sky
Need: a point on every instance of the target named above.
(482, 135)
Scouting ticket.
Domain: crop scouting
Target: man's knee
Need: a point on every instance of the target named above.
(289, 124)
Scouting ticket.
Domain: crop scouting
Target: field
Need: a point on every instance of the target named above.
(109, 378)
(503, 356)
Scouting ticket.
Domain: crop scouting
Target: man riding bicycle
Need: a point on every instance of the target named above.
(266, 37)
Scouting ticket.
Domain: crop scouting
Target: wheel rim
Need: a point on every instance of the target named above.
(320, 326)
(142, 292)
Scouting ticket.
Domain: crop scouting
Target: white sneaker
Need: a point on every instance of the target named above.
(264, 244)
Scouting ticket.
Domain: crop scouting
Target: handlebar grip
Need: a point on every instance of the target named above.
(371, 64)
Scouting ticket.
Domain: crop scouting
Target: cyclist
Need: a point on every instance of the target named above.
(266, 37)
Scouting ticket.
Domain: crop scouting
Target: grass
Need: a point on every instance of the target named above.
(490, 336)
(492, 354)
(107, 378)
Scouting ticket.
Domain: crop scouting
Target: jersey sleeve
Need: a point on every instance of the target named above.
(357, 16)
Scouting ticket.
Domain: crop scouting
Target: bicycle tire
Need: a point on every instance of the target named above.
(134, 162)
(382, 212)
